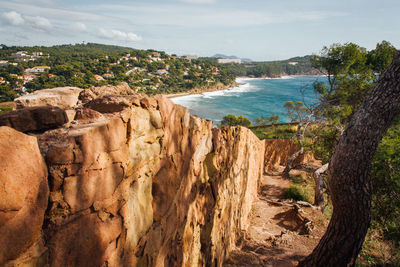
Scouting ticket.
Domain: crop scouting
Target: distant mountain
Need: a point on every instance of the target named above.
(231, 57)
(224, 56)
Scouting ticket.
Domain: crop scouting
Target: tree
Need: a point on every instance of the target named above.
(262, 121)
(231, 120)
(385, 173)
(350, 78)
(349, 173)
(297, 112)
(381, 57)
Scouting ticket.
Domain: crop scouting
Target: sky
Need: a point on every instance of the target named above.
(255, 29)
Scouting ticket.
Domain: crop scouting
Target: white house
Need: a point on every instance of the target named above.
(37, 69)
(229, 60)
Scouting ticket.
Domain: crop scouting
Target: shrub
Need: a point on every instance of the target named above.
(294, 193)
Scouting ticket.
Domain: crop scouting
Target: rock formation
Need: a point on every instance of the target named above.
(278, 152)
(34, 118)
(62, 97)
(133, 181)
(23, 193)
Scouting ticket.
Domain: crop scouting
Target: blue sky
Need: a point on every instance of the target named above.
(256, 29)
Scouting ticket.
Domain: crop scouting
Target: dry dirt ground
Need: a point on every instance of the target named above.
(281, 232)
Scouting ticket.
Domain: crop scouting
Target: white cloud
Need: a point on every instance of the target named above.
(54, 13)
(78, 27)
(13, 18)
(39, 23)
(198, 1)
(119, 35)
(201, 16)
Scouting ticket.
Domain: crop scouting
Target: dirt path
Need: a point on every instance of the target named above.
(280, 232)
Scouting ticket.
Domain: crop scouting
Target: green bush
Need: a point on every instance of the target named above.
(294, 193)
(232, 120)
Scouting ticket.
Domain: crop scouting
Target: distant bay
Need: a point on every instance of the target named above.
(253, 98)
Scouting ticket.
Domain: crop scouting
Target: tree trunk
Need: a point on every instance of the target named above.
(289, 163)
(348, 174)
(301, 129)
(319, 186)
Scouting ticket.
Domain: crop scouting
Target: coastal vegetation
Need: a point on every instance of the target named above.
(232, 120)
(26, 69)
(352, 72)
(292, 66)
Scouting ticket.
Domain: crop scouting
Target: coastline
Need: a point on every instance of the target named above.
(205, 89)
(222, 87)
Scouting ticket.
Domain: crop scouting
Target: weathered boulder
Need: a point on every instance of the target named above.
(34, 118)
(87, 114)
(23, 193)
(62, 97)
(106, 90)
(111, 104)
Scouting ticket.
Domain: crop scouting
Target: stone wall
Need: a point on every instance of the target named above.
(135, 181)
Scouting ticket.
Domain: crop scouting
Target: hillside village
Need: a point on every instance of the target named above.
(89, 65)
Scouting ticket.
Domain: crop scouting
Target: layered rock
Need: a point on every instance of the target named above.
(62, 97)
(34, 119)
(137, 181)
(106, 90)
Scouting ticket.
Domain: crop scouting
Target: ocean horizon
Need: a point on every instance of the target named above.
(252, 98)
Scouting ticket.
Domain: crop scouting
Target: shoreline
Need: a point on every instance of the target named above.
(201, 90)
(221, 87)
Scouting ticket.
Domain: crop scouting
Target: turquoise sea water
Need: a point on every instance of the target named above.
(253, 98)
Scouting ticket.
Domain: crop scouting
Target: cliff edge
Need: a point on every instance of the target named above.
(122, 180)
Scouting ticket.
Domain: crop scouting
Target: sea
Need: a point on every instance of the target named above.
(252, 98)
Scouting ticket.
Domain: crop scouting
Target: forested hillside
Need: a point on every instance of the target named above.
(26, 69)
(292, 66)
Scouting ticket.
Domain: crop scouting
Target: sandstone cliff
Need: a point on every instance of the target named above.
(127, 181)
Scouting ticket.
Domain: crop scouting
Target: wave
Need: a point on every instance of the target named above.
(233, 91)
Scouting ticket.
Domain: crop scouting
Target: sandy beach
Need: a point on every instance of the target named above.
(196, 91)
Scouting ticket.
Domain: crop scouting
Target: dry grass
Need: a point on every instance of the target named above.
(377, 251)
(6, 107)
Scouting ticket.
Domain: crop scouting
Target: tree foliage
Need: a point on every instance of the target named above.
(77, 65)
(232, 120)
(262, 121)
(352, 72)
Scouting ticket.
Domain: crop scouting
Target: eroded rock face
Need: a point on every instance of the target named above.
(239, 158)
(278, 152)
(111, 104)
(101, 172)
(23, 193)
(34, 118)
(137, 181)
(62, 97)
(106, 90)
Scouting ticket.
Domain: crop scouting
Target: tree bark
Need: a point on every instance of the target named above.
(301, 129)
(349, 173)
(319, 186)
(289, 163)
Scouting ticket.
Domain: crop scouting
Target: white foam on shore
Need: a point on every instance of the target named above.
(241, 88)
